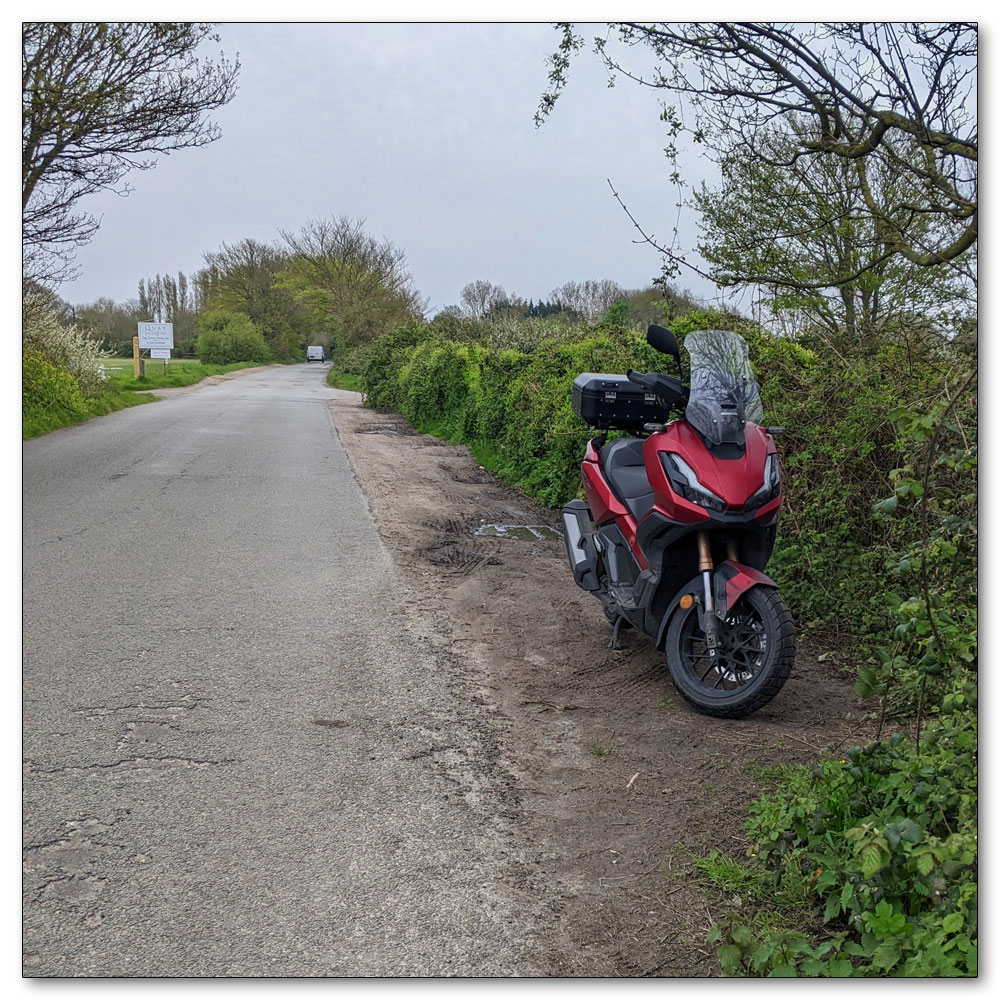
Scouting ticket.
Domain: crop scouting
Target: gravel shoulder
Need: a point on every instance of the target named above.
(607, 780)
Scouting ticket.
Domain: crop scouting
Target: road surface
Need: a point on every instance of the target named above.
(229, 735)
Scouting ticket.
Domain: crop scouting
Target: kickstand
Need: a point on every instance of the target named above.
(616, 635)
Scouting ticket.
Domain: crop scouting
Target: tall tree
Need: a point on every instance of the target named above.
(899, 95)
(243, 277)
(100, 99)
(356, 285)
(803, 231)
(480, 296)
(591, 298)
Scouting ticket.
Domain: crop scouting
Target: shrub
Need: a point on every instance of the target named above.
(64, 347)
(48, 387)
(885, 841)
(225, 338)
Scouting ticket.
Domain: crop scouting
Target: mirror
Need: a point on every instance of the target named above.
(662, 340)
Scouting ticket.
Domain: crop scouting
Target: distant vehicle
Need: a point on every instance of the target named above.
(315, 353)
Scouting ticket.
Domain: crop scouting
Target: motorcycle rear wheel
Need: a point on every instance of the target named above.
(755, 656)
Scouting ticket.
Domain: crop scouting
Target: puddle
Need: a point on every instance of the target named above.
(380, 429)
(521, 532)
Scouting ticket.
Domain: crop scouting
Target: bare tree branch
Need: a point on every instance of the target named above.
(98, 100)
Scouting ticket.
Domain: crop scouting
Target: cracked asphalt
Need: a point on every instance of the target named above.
(237, 761)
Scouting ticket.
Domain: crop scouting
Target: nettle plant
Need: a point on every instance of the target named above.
(885, 841)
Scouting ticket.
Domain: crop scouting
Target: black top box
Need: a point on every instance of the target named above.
(613, 401)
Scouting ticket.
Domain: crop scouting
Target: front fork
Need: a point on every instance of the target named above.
(706, 568)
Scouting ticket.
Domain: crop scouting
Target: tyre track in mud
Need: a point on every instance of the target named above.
(593, 763)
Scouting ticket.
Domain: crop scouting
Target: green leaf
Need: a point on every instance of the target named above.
(762, 954)
(783, 972)
(886, 956)
(952, 923)
(729, 956)
(840, 968)
(833, 907)
(873, 857)
(972, 960)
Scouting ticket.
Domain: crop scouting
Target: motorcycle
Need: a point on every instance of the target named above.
(679, 520)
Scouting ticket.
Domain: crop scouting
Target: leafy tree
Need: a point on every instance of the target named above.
(890, 98)
(244, 277)
(803, 231)
(98, 100)
(354, 284)
(225, 338)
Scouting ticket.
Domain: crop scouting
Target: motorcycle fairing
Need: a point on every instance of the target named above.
(735, 480)
(604, 505)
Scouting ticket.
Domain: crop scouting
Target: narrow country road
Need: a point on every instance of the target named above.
(229, 735)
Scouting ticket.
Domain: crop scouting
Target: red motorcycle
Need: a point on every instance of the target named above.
(679, 523)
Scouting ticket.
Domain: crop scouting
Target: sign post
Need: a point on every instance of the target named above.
(136, 363)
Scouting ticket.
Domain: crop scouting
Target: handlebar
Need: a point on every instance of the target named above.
(671, 391)
(644, 380)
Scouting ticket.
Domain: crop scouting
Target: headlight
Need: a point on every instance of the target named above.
(684, 481)
(771, 487)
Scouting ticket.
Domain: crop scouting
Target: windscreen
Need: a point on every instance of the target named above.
(724, 393)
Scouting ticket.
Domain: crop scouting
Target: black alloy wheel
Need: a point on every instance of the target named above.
(754, 657)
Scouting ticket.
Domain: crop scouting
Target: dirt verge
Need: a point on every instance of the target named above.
(601, 769)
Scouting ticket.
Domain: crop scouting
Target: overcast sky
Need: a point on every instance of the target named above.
(426, 131)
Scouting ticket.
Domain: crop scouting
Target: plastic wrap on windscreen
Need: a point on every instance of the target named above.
(724, 392)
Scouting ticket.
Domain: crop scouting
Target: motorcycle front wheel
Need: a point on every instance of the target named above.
(754, 657)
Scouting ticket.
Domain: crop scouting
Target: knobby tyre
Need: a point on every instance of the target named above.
(755, 656)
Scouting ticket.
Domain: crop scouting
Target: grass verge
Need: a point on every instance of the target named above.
(344, 380)
(178, 373)
(40, 421)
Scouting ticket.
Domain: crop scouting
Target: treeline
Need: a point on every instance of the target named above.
(330, 283)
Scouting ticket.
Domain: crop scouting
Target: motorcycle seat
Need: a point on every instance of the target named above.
(625, 471)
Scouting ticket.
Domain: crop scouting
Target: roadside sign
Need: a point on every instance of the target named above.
(158, 335)
(160, 353)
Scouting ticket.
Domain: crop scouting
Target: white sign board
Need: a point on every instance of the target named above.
(160, 353)
(158, 335)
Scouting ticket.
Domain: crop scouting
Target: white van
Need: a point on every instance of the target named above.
(315, 353)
